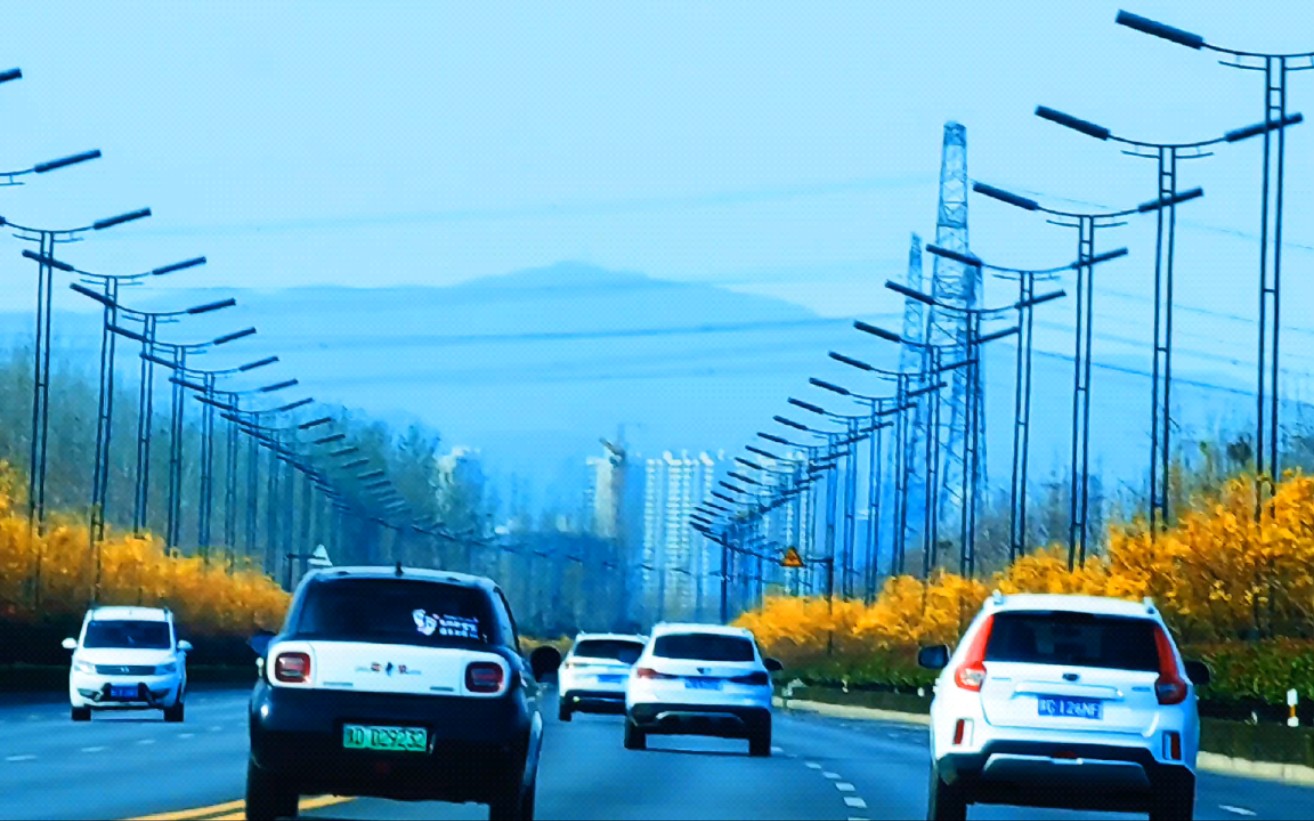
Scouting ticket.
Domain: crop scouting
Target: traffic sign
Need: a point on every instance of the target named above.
(791, 558)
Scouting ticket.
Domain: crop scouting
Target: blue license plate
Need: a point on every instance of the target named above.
(1055, 707)
(611, 679)
(702, 683)
(128, 691)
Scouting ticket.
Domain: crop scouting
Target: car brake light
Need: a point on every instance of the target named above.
(1172, 746)
(1169, 688)
(648, 672)
(753, 678)
(970, 675)
(293, 668)
(960, 729)
(483, 677)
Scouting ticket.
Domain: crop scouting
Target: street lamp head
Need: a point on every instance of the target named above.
(899, 288)
(259, 363)
(278, 386)
(224, 406)
(1152, 27)
(213, 306)
(1099, 132)
(789, 423)
(177, 380)
(96, 295)
(991, 337)
(771, 437)
(1104, 257)
(234, 336)
(64, 162)
(48, 261)
(300, 403)
(829, 386)
(924, 390)
(133, 335)
(970, 260)
(178, 266)
(748, 463)
(889, 336)
(808, 406)
(1169, 202)
(850, 361)
(332, 437)
(1238, 134)
(314, 423)
(1042, 299)
(101, 225)
(760, 452)
(1005, 196)
(11, 74)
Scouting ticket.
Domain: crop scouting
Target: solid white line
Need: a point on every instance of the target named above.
(855, 802)
(1236, 810)
(812, 765)
(19, 757)
(832, 776)
(844, 786)
(93, 749)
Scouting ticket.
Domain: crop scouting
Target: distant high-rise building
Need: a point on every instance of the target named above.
(675, 559)
(606, 495)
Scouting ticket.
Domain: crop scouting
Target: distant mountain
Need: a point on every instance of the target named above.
(533, 367)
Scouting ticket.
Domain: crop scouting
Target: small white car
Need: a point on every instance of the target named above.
(127, 658)
(1065, 702)
(700, 679)
(593, 675)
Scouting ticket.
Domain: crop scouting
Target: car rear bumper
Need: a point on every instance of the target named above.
(149, 692)
(724, 721)
(475, 746)
(1067, 776)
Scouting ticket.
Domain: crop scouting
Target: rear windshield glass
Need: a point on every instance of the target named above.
(609, 649)
(396, 611)
(1074, 639)
(703, 647)
(144, 635)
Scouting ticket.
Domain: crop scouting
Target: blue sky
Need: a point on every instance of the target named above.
(780, 148)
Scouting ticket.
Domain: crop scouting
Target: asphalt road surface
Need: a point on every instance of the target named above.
(130, 766)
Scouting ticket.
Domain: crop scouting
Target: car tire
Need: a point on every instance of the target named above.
(1173, 802)
(174, 714)
(80, 713)
(945, 802)
(564, 713)
(635, 739)
(266, 798)
(759, 743)
(512, 801)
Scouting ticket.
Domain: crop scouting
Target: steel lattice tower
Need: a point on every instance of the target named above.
(953, 283)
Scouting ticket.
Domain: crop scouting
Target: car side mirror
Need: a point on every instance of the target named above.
(773, 666)
(260, 642)
(544, 660)
(69, 644)
(184, 646)
(1198, 673)
(629, 655)
(935, 657)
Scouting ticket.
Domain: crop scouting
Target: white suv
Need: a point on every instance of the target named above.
(699, 679)
(127, 658)
(593, 675)
(1073, 702)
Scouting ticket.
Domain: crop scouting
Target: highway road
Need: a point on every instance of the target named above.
(823, 768)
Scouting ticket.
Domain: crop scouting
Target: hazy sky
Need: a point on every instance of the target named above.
(781, 148)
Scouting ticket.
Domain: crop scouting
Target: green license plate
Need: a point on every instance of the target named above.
(389, 739)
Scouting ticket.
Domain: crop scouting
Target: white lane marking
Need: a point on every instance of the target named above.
(19, 757)
(94, 749)
(145, 741)
(844, 786)
(1236, 810)
(215, 728)
(831, 776)
(855, 802)
(187, 735)
(777, 750)
(812, 765)
(33, 717)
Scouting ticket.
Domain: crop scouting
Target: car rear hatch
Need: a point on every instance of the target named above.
(395, 668)
(1071, 671)
(704, 664)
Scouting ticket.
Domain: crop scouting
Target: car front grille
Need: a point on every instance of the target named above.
(125, 670)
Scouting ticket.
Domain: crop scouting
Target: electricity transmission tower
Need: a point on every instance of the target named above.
(954, 283)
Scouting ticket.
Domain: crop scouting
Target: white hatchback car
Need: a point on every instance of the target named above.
(1063, 701)
(593, 675)
(127, 658)
(700, 679)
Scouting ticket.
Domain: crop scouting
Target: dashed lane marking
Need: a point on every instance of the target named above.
(145, 741)
(812, 765)
(187, 735)
(855, 802)
(1236, 810)
(832, 776)
(777, 750)
(844, 786)
(17, 758)
(94, 749)
(215, 728)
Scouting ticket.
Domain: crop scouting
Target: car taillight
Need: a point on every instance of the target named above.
(483, 677)
(1172, 746)
(293, 668)
(970, 675)
(753, 678)
(1169, 688)
(648, 672)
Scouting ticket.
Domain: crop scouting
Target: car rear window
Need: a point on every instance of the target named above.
(1074, 639)
(703, 647)
(396, 611)
(137, 635)
(609, 649)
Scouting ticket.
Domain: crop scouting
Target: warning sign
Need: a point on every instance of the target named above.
(791, 558)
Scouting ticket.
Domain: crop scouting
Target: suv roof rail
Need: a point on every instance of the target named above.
(1149, 604)
(997, 596)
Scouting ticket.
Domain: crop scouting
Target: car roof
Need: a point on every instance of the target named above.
(117, 613)
(1100, 605)
(610, 637)
(411, 573)
(667, 628)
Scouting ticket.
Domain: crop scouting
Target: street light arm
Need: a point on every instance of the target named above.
(1086, 127)
(1156, 29)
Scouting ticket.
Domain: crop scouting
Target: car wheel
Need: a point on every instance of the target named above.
(80, 713)
(174, 714)
(945, 802)
(759, 743)
(512, 800)
(564, 713)
(266, 798)
(1175, 802)
(635, 739)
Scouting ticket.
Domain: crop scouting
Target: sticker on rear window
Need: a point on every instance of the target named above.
(452, 626)
(424, 623)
